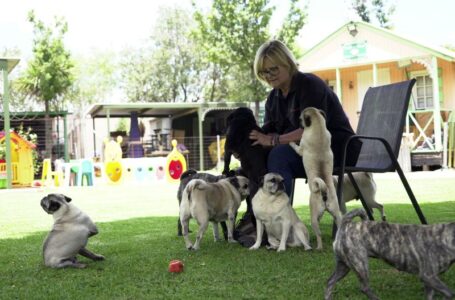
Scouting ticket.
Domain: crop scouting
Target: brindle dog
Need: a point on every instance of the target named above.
(424, 250)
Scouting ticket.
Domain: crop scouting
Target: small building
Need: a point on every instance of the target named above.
(21, 159)
(359, 55)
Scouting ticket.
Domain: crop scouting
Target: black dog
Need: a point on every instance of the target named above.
(253, 159)
(185, 178)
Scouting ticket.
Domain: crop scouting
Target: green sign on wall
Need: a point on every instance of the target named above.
(355, 50)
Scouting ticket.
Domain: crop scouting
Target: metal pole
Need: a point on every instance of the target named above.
(201, 140)
(94, 138)
(65, 137)
(9, 175)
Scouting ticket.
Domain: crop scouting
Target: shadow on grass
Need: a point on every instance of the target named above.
(138, 251)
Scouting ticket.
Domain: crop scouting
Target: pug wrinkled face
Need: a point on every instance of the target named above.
(274, 183)
(309, 113)
(52, 202)
(241, 183)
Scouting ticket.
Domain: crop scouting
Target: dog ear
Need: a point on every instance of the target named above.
(67, 199)
(261, 181)
(187, 173)
(323, 114)
(307, 121)
(235, 182)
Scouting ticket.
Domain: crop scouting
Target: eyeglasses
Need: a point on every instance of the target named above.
(272, 71)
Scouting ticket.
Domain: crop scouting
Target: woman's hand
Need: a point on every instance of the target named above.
(260, 138)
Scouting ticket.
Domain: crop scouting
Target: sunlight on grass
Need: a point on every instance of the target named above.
(138, 251)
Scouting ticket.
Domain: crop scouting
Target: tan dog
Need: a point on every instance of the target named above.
(214, 202)
(367, 185)
(317, 159)
(69, 235)
(274, 213)
(319, 203)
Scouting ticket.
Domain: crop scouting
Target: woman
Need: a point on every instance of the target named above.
(292, 92)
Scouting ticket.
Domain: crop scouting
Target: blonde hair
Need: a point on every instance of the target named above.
(278, 53)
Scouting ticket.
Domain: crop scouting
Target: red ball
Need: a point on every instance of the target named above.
(175, 266)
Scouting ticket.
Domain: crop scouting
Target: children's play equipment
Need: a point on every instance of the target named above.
(112, 158)
(85, 172)
(175, 164)
(47, 175)
(142, 169)
(21, 160)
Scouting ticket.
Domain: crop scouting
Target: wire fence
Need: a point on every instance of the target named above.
(212, 150)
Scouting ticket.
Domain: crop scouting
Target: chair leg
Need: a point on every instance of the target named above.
(339, 197)
(410, 194)
(406, 184)
(362, 199)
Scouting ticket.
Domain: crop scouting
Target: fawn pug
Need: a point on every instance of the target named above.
(69, 234)
(274, 213)
(214, 202)
(317, 159)
(367, 186)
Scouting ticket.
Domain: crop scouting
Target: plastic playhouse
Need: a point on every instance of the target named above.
(21, 161)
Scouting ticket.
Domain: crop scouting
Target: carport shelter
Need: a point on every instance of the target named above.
(177, 112)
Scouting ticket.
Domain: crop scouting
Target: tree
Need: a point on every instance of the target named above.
(378, 8)
(232, 32)
(95, 79)
(292, 24)
(360, 7)
(169, 68)
(48, 75)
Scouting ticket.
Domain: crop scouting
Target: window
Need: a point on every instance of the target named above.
(423, 92)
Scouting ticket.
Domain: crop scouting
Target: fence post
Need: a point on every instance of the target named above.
(218, 153)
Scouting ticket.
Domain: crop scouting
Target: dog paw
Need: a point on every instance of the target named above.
(254, 247)
(99, 257)
(281, 249)
(79, 265)
(232, 241)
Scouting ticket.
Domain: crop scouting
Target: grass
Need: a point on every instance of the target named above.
(138, 251)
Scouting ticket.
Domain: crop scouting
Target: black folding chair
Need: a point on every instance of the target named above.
(380, 129)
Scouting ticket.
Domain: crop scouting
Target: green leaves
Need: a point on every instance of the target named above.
(232, 32)
(48, 74)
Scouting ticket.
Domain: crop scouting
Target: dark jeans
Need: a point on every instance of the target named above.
(286, 162)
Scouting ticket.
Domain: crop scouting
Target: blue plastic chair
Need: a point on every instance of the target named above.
(86, 170)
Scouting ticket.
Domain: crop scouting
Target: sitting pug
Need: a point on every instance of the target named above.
(69, 234)
(214, 202)
(273, 210)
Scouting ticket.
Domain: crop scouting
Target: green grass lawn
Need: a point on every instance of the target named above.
(138, 251)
